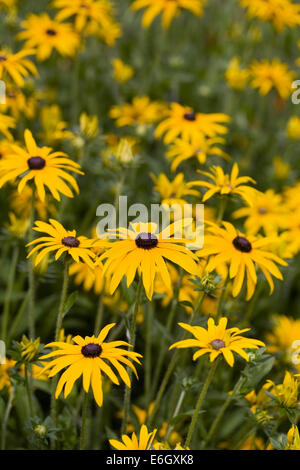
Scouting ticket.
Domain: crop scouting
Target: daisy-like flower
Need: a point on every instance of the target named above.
(122, 72)
(17, 66)
(142, 111)
(283, 339)
(242, 254)
(182, 121)
(6, 123)
(272, 74)
(216, 340)
(44, 34)
(287, 392)
(168, 8)
(236, 77)
(45, 168)
(265, 213)
(18, 103)
(89, 357)
(200, 148)
(143, 442)
(174, 191)
(282, 13)
(89, 277)
(225, 184)
(61, 241)
(142, 248)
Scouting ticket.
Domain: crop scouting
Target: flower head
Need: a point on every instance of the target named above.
(142, 111)
(7, 123)
(272, 74)
(236, 77)
(287, 392)
(17, 66)
(143, 442)
(89, 357)
(122, 72)
(217, 340)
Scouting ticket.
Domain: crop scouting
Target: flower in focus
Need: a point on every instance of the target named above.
(122, 72)
(44, 34)
(17, 66)
(216, 340)
(272, 74)
(90, 357)
(287, 392)
(243, 254)
(293, 438)
(29, 348)
(62, 241)
(200, 147)
(143, 442)
(225, 184)
(236, 77)
(182, 121)
(142, 111)
(293, 128)
(38, 163)
(168, 8)
(142, 248)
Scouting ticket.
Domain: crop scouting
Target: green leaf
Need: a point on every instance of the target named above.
(70, 302)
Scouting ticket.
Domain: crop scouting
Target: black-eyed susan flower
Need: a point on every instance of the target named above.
(89, 277)
(7, 123)
(142, 111)
(281, 13)
(122, 72)
(17, 66)
(168, 8)
(183, 121)
(45, 34)
(172, 191)
(5, 381)
(90, 357)
(226, 184)
(142, 442)
(200, 148)
(218, 340)
(236, 77)
(61, 241)
(144, 250)
(228, 245)
(20, 203)
(45, 167)
(272, 74)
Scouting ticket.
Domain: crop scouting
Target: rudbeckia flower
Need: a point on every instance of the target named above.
(225, 184)
(272, 74)
(142, 111)
(243, 254)
(216, 340)
(143, 442)
(182, 121)
(168, 8)
(38, 163)
(45, 34)
(6, 123)
(281, 13)
(89, 277)
(145, 250)
(16, 65)
(62, 241)
(89, 357)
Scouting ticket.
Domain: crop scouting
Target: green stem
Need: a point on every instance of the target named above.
(31, 323)
(83, 421)
(127, 395)
(199, 403)
(251, 306)
(6, 418)
(176, 412)
(222, 207)
(29, 391)
(9, 290)
(149, 322)
(17, 318)
(221, 301)
(99, 316)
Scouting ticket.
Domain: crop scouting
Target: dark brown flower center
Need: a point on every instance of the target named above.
(71, 242)
(83, 5)
(146, 240)
(51, 32)
(36, 163)
(91, 350)
(3, 58)
(242, 244)
(190, 116)
(217, 344)
(262, 210)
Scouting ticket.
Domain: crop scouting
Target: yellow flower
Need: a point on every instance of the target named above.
(29, 348)
(293, 438)
(45, 34)
(143, 442)
(258, 400)
(225, 184)
(4, 374)
(17, 66)
(272, 74)
(292, 234)
(124, 152)
(122, 72)
(6, 123)
(174, 191)
(265, 213)
(282, 169)
(38, 163)
(18, 103)
(282, 338)
(21, 204)
(228, 245)
(17, 226)
(142, 248)
(287, 392)
(216, 340)
(90, 277)
(8, 3)
(142, 111)
(89, 125)
(184, 122)
(253, 443)
(281, 13)
(54, 128)
(199, 147)
(90, 357)
(293, 128)
(168, 8)
(236, 77)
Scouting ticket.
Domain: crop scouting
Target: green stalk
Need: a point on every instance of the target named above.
(99, 316)
(31, 290)
(8, 294)
(199, 403)
(149, 322)
(6, 418)
(132, 331)
(83, 421)
(29, 391)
